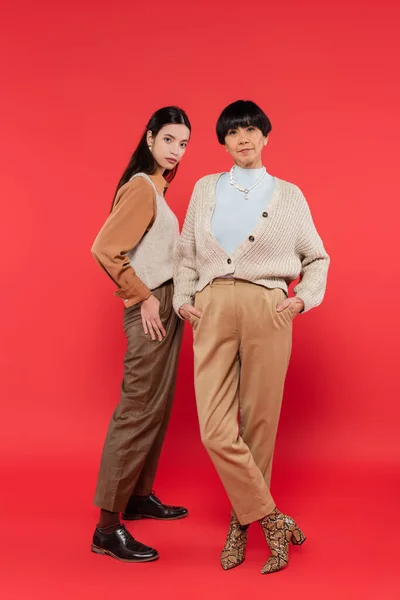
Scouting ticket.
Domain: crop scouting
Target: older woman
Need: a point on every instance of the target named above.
(247, 236)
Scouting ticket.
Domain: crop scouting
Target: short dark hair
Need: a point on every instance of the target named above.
(242, 113)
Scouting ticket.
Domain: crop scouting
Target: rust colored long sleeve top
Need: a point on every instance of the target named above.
(132, 215)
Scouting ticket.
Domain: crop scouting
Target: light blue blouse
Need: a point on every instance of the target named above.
(234, 217)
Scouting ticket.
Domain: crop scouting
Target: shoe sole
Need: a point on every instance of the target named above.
(98, 550)
(139, 517)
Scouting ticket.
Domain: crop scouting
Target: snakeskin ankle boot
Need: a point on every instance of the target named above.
(232, 554)
(279, 530)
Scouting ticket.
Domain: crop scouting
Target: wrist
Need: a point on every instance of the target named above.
(148, 298)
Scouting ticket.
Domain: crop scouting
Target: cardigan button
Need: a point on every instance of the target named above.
(251, 238)
(265, 214)
(229, 261)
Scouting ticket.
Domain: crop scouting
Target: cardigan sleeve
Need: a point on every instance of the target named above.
(132, 215)
(314, 261)
(185, 271)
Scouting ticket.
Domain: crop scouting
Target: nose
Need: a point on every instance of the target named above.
(243, 139)
(175, 149)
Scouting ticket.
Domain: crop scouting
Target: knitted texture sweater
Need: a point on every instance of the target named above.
(283, 246)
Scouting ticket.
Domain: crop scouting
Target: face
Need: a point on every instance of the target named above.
(245, 145)
(169, 145)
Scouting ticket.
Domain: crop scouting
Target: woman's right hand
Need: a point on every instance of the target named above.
(150, 311)
(187, 309)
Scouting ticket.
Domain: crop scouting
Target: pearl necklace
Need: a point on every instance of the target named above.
(245, 191)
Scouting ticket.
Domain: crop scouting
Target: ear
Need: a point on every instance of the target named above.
(149, 138)
(265, 140)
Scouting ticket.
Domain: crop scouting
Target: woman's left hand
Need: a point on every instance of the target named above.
(295, 305)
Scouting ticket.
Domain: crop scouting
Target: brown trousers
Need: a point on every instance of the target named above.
(136, 433)
(242, 349)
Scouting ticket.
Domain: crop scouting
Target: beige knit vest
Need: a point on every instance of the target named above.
(152, 259)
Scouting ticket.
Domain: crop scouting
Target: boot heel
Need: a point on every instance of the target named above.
(298, 538)
(97, 550)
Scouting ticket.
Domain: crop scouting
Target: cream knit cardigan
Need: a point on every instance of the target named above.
(283, 245)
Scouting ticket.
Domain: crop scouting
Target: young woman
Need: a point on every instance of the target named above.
(135, 247)
(246, 237)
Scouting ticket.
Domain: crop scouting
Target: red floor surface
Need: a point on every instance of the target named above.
(350, 517)
(80, 82)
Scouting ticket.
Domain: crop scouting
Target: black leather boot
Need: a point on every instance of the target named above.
(121, 545)
(150, 507)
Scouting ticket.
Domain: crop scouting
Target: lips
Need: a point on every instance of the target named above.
(172, 161)
(245, 150)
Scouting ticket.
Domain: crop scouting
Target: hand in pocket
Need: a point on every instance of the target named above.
(294, 305)
(186, 310)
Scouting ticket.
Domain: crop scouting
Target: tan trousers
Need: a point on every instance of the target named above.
(136, 433)
(242, 349)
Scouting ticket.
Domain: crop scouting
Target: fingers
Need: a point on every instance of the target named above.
(161, 327)
(187, 309)
(151, 330)
(290, 304)
(186, 313)
(282, 306)
(158, 329)
(155, 328)
(145, 329)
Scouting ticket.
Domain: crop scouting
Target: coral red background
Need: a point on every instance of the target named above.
(79, 82)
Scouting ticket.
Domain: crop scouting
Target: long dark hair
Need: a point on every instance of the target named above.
(142, 160)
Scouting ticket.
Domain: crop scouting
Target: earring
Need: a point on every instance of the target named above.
(150, 147)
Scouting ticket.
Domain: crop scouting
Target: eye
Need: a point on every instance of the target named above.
(251, 128)
(232, 131)
(183, 144)
(167, 139)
